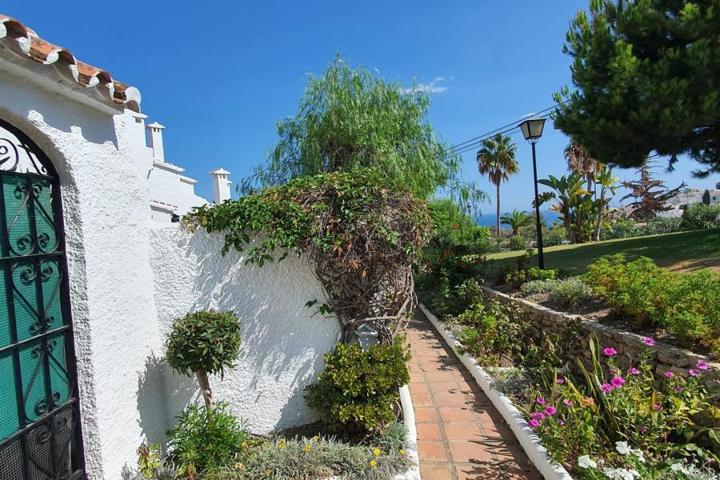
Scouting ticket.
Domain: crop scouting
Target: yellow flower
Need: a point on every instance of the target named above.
(377, 452)
(315, 438)
(373, 464)
(402, 452)
(308, 447)
(267, 472)
(240, 466)
(281, 444)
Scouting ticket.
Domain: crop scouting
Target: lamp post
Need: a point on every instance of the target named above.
(532, 130)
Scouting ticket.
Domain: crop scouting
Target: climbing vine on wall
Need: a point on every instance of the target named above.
(361, 230)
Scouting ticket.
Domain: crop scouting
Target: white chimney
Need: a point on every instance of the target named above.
(156, 141)
(221, 185)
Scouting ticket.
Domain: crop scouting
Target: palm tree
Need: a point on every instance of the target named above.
(496, 159)
(580, 161)
(516, 220)
(573, 203)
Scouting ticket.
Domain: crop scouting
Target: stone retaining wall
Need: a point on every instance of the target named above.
(628, 344)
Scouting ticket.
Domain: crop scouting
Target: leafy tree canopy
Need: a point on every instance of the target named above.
(351, 118)
(361, 229)
(647, 74)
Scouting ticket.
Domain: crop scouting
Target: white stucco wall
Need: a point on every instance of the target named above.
(282, 340)
(107, 221)
(167, 184)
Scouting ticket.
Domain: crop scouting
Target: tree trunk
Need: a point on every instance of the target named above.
(497, 219)
(202, 379)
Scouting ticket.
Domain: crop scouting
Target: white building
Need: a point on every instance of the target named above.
(92, 273)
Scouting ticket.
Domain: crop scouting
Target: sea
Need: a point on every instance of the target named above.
(487, 219)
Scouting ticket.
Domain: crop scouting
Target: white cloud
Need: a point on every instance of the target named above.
(436, 86)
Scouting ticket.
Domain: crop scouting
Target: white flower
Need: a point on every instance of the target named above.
(585, 461)
(639, 454)
(679, 467)
(622, 448)
(621, 473)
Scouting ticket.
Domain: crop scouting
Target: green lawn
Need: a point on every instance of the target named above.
(682, 251)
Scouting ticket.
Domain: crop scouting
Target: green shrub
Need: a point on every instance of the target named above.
(206, 439)
(518, 242)
(622, 228)
(204, 343)
(358, 388)
(491, 332)
(699, 216)
(538, 287)
(519, 277)
(571, 293)
(659, 225)
(688, 305)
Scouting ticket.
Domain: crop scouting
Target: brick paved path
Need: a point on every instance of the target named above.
(460, 434)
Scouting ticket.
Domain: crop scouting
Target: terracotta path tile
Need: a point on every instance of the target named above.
(460, 434)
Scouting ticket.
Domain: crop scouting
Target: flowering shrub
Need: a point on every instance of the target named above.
(586, 422)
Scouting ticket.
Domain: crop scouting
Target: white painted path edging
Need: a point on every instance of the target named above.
(411, 439)
(529, 441)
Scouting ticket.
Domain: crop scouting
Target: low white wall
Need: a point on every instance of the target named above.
(282, 340)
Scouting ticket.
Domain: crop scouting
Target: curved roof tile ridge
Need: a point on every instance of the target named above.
(25, 42)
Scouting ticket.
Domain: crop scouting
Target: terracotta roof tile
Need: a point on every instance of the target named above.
(26, 43)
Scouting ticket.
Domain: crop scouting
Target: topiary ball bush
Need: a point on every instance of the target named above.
(206, 341)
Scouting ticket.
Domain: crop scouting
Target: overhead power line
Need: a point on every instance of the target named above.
(475, 141)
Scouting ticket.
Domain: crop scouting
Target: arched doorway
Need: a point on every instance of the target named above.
(39, 415)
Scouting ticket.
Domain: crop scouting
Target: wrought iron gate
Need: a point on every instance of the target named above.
(39, 428)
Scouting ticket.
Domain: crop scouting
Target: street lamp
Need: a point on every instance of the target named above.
(532, 130)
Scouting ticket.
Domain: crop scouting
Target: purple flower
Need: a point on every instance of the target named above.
(560, 380)
(678, 389)
(606, 388)
(567, 402)
(643, 429)
(634, 371)
(657, 406)
(668, 374)
(693, 373)
(609, 352)
(550, 411)
(540, 400)
(560, 422)
(534, 423)
(537, 416)
(702, 365)
(648, 341)
(617, 382)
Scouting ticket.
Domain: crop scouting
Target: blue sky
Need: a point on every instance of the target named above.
(219, 74)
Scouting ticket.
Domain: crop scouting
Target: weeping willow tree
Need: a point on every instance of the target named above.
(350, 118)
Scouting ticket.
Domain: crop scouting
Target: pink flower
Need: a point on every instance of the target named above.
(668, 374)
(634, 371)
(617, 382)
(606, 388)
(657, 406)
(560, 380)
(609, 352)
(648, 341)
(567, 402)
(550, 411)
(693, 373)
(643, 429)
(678, 389)
(537, 416)
(702, 365)
(540, 400)
(534, 423)
(560, 422)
